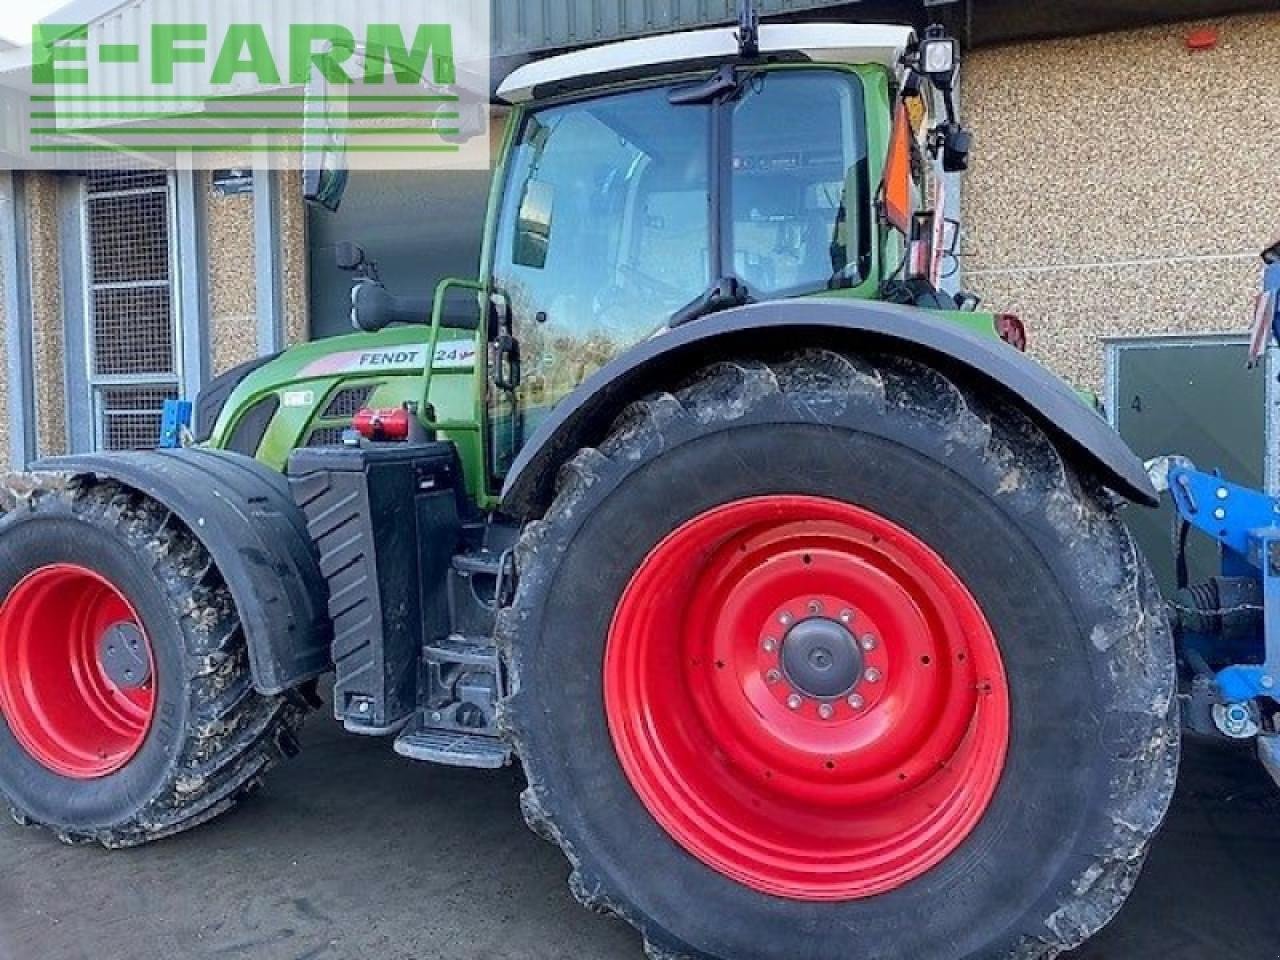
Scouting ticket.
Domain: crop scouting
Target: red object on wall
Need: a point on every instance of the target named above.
(1202, 38)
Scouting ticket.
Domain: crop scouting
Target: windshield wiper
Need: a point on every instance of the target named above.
(724, 294)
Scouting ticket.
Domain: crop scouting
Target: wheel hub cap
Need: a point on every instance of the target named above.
(806, 697)
(821, 659)
(124, 657)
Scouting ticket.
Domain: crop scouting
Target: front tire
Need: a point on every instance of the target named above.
(981, 780)
(127, 706)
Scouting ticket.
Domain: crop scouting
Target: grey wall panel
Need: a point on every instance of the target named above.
(419, 226)
(15, 262)
(72, 240)
(531, 26)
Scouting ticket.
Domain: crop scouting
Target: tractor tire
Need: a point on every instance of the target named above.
(127, 707)
(836, 655)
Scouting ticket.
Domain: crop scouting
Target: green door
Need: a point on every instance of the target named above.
(1191, 396)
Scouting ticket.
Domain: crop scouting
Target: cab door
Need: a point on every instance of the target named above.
(603, 234)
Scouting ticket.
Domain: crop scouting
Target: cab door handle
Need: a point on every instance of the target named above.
(506, 365)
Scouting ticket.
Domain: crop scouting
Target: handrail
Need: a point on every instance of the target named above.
(433, 341)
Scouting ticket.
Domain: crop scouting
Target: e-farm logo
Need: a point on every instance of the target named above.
(245, 51)
(324, 89)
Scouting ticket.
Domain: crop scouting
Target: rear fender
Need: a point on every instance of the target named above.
(584, 417)
(244, 515)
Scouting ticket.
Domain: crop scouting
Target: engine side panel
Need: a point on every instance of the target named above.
(318, 387)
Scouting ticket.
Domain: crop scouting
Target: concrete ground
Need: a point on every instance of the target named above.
(351, 852)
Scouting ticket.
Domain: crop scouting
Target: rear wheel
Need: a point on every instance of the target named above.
(127, 708)
(830, 657)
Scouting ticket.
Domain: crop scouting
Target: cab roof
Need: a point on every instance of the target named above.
(845, 43)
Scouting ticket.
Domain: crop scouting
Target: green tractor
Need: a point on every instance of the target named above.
(800, 593)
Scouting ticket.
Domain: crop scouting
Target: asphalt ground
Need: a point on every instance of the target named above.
(351, 852)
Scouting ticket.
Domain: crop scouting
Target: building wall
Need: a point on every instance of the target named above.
(293, 257)
(233, 325)
(48, 329)
(233, 295)
(1122, 184)
(232, 333)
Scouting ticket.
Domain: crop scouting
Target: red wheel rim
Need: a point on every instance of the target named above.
(77, 672)
(722, 668)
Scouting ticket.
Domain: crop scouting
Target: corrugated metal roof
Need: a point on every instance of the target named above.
(535, 26)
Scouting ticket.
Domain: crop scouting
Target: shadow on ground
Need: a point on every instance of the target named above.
(351, 852)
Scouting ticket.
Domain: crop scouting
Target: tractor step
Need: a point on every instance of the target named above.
(477, 581)
(453, 749)
(457, 722)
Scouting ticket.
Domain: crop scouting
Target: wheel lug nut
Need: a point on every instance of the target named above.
(770, 645)
(872, 675)
(846, 616)
(794, 701)
(815, 607)
(772, 677)
(826, 711)
(868, 643)
(857, 702)
(785, 619)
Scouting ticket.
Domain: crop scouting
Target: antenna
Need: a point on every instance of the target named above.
(748, 29)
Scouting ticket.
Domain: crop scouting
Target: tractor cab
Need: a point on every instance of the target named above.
(628, 208)
(650, 183)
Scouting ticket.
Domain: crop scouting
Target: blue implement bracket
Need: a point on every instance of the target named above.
(1247, 525)
(175, 419)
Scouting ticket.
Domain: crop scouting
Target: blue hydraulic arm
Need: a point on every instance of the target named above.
(1247, 525)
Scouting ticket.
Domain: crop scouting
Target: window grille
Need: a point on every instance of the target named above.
(130, 416)
(133, 330)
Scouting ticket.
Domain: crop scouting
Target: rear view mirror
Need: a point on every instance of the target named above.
(533, 225)
(324, 160)
(472, 110)
(324, 184)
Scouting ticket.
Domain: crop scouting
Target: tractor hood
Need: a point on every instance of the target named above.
(308, 394)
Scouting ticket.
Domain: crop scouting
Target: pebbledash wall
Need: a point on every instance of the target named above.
(1122, 185)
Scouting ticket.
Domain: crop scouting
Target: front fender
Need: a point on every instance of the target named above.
(583, 418)
(245, 516)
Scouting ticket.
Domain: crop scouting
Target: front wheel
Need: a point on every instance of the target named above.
(830, 656)
(127, 706)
